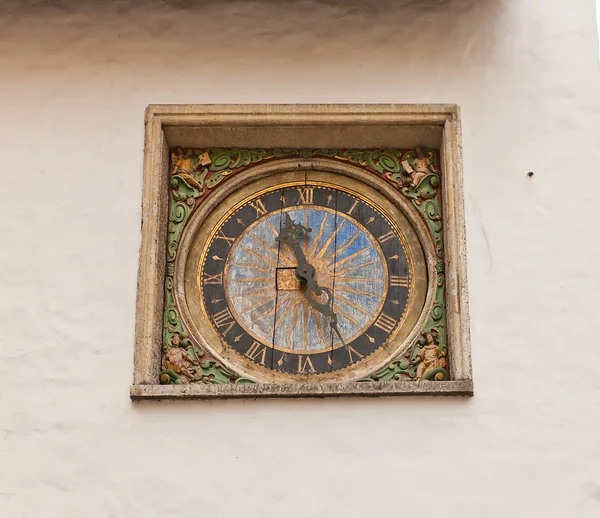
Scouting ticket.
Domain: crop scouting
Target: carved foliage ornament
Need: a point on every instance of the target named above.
(308, 277)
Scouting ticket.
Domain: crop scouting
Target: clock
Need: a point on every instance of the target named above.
(302, 251)
(302, 276)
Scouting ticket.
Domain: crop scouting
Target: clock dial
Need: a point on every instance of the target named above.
(350, 302)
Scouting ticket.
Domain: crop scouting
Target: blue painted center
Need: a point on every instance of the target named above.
(348, 260)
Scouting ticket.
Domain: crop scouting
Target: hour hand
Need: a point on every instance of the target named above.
(292, 234)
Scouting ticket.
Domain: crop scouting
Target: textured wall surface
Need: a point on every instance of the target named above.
(74, 81)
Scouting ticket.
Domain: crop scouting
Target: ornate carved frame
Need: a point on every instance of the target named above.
(296, 126)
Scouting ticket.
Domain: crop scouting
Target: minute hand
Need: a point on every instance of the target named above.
(325, 308)
(292, 234)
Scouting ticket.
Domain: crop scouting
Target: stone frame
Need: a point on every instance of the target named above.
(325, 125)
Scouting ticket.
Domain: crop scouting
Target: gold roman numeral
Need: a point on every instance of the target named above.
(259, 207)
(213, 279)
(306, 195)
(222, 236)
(257, 349)
(397, 280)
(386, 237)
(386, 323)
(224, 318)
(358, 355)
(303, 362)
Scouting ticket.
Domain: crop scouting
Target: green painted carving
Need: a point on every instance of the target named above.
(397, 370)
(416, 175)
(426, 358)
(184, 362)
(182, 202)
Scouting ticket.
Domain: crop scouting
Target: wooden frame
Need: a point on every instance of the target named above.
(248, 126)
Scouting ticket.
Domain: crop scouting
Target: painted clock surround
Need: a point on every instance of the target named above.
(192, 152)
(217, 365)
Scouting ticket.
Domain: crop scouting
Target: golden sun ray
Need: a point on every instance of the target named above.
(348, 302)
(305, 241)
(294, 322)
(265, 244)
(319, 328)
(282, 297)
(269, 313)
(347, 289)
(275, 231)
(352, 256)
(329, 240)
(343, 271)
(344, 246)
(253, 279)
(256, 291)
(259, 302)
(347, 317)
(259, 257)
(318, 237)
(359, 279)
(255, 267)
(281, 303)
(284, 313)
(305, 320)
(286, 257)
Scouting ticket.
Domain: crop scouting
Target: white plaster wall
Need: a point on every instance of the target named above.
(74, 81)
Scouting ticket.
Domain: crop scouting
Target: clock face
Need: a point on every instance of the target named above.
(305, 280)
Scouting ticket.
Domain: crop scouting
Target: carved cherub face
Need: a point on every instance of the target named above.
(429, 338)
(175, 340)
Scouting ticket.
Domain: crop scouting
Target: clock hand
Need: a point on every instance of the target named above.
(325, 308)
(292, 234)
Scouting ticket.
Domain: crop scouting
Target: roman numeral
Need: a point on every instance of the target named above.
(358, 355)
(386, 237)
(222, 236)
(397, 280)
(353, 206)
(259, 207)
(303, 362)
(213, 279)
(306, 195)
(386, 323)
(224, 318)
(257, 349)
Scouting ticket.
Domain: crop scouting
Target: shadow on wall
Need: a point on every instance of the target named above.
(376, 37)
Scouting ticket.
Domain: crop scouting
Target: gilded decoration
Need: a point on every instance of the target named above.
(195, 173)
